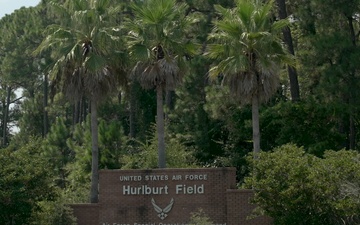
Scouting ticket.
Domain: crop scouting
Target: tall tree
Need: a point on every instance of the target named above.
(19, 71)
(292, 72)
(248, 54)
(330, 59)
(158, 43)
(84, 47)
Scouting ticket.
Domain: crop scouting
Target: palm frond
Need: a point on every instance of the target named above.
(280, 24)
(215, 51)
(191, 48)
(244, 11)
(78, 5)
(74, 84)
(223, 67)
(170, 72)
(94, 62)
(157, 41)
(59, 10)
(261, 16)
(55, 39)
(150, 76)
(247, 51)
(84, 50)
(232, 28)
(101, 6)
(224, 12)
(139, 52)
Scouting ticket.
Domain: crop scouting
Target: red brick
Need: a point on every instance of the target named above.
(221, 201)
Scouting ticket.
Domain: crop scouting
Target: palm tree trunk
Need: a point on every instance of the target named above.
(255, 125)
(95, 154)
(46, 119)
(169, 101)
(160, 126)
(132, 110)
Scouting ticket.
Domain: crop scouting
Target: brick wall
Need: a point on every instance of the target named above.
(86, 214)
(125, 198)
(128, 209)
(240, 209)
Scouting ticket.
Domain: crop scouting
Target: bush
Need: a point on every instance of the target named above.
(25, 180)
(296, 188)
(200, 218)
(54, 213)
(145, 155)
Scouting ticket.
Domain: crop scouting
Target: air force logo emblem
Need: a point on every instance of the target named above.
(163, 213)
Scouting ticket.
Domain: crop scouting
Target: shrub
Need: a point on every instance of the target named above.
(296, 188)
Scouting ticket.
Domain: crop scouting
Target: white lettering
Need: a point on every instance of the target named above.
(196, 177)
(130, 178)
(184, 189)
(176, 177)
(145, 190)
(156, 177)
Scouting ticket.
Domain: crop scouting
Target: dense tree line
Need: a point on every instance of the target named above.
(187, 83)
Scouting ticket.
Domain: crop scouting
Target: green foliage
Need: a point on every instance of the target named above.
(200, 218)
(144, 156)
(82, 46)
(159, 23)
(248, 54)
(294, 187)
(159, 45)
(304, 123)
(112, 142)
(53, 213)
(112, 145)
(233, 129)
(145, 111)
(236, 120)
(190, 120)
(31, 122)
(328, 54)
(205, 124)
(25, 179)
(80, 168)
(56, 150)
(246, 49)
(20, 34)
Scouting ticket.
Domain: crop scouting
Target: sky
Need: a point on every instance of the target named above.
(8, 6)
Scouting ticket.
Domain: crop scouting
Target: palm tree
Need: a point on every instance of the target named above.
(157, 42)
(83, 51)
(248, 54)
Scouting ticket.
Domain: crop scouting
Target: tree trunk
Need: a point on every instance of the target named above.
(95, 154)
(293, 77)
(45, 104)
(169, 101)
(160, 126)
(352, 134)
(255, 125)
(76, 112)
(132, 110)
(6, 116)
(352, 130)
(84, 109)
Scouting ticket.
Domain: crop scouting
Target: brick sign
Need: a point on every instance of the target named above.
(167, 197)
